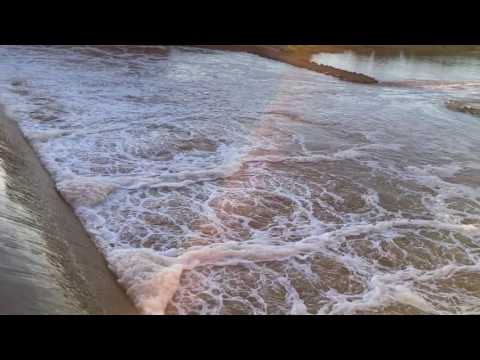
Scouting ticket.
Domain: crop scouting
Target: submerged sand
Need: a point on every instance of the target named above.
(49, 265)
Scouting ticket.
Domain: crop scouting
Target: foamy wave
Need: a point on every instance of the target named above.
(85, 192)
(152, 279)
(397, 288)
(149, 278)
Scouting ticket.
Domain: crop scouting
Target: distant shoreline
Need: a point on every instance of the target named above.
(299, 56)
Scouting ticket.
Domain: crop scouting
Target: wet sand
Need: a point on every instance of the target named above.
(48, 264)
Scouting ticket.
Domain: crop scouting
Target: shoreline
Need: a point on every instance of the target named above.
(298, 56)
(49, 263)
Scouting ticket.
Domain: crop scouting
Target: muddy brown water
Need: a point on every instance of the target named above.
(226, 183)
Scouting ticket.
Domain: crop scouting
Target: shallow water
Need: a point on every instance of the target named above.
(224, 183)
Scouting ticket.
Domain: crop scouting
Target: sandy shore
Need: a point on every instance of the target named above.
(48, 263)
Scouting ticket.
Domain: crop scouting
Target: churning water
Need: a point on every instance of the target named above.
(224, 183)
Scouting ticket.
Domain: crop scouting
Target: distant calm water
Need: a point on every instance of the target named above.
(225, 183)
(406, 67)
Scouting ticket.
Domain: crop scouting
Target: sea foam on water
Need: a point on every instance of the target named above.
(223, 183)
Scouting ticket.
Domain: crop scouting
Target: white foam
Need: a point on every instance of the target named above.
(85, 192)
(150, 279)
(153, 278)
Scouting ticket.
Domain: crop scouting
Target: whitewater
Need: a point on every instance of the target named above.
(224, 183)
